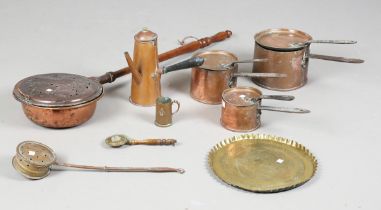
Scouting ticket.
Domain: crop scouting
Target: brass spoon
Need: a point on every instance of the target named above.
(120, 140)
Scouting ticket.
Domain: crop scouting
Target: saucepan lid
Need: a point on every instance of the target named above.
(215, 59)
(57, 90)
(241, 96)
(282, 39)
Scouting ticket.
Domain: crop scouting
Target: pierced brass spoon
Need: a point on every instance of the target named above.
(119, 140)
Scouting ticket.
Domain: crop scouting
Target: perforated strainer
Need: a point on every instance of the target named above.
(34, 160)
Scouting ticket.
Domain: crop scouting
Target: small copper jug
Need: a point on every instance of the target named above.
(164, 111)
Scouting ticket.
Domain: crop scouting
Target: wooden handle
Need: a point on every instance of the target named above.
(153, 142)
(187, 48)
(195, 45)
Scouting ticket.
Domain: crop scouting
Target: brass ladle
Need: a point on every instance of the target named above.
(120, 140)
(34, 160)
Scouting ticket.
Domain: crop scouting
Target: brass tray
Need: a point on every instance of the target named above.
(262, 163)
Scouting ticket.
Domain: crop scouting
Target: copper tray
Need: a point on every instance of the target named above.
(262, 163)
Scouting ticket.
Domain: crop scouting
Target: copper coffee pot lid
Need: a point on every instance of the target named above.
(57, 90)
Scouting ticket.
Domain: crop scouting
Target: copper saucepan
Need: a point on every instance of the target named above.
(241, 108)
(213, 72)
(288, 52)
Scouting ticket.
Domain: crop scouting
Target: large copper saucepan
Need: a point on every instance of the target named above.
(288, 52)
(59, 100)
(213, 72)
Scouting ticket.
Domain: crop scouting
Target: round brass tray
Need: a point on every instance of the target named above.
(262, 163)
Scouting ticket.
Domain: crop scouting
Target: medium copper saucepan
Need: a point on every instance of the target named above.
(213, 72)
(60, 100)
(241, 108)
(288, 52)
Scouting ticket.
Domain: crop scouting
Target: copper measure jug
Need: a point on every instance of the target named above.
(288, 52)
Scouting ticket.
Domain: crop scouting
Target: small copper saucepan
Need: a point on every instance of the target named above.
(213, 72)
(241, 108)
(288, 52)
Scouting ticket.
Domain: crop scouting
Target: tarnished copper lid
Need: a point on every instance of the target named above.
(282, 39)
(216, 59)
(241, 96)
(57, 90)
(145, 35)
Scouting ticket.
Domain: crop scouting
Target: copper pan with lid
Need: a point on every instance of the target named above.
(242, 108)
(288, 52)
(217, 72)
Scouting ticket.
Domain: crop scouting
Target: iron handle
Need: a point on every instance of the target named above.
(335, 58)
(122, 169)
(245, 74)
(189, 63)
(278, 97)
(284, 109)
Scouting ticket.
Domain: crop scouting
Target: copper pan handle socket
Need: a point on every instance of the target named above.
(335, 58)
(284, 109)
(189, 63)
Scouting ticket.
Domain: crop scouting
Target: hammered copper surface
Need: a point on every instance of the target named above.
(60, 117)
(146, 60)
(239, 111)
(290, 61)
(211, 79)
(262, 163)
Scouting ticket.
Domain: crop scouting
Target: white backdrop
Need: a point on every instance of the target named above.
(89, 38)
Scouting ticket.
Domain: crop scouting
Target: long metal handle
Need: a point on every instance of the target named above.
(335, 58)
(122, 169)
(152, 142)
(301, 44)
(189, 63)
(333, 41)
(245, 74)
(228, 65)
(284, 109)
(278, 97)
